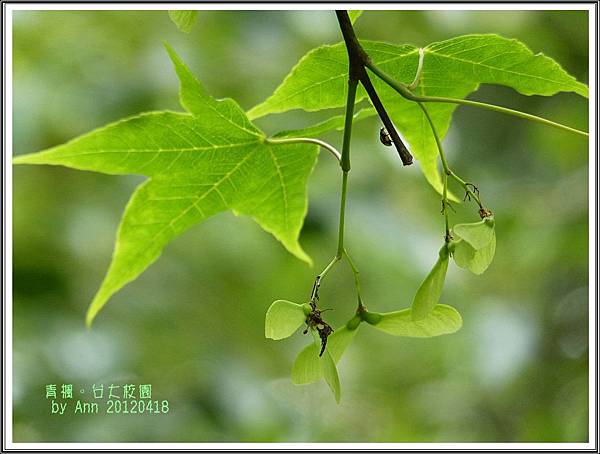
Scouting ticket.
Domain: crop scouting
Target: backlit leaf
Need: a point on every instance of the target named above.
(330, 374)
(338, 342)
(475, 245)
(442, 319)
(451, 68)
(308, 366)
(476, 261)
(283, 319)
(354, 14)
(184, 20)
(430, 290)
(200, 163)
(477, 234)
(336, 122)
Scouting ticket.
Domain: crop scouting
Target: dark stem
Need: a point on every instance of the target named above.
(358, 59)
(356, 54)
(385, 119)
(345, 158)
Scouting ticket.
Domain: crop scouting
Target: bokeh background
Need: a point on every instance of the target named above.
(192, 324)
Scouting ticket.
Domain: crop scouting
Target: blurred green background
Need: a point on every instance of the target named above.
(192, 324)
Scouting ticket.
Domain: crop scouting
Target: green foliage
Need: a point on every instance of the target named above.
(475, 260)
(213, 158)
(474, 245)
(430, 290)
(333, 123)
(200, 163)
(442, 319)
(309, 367)
(477, 234)
(283, 318)
(452, 68)
(204, 296)
(354, 14)
(184, 20)
(331, 375)
(338, 342)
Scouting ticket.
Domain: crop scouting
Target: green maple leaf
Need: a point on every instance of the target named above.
(452, 68)
(354, 14)
(333, 123)
(184, 20)
(200, 163)
(441, 319)
(429, 292)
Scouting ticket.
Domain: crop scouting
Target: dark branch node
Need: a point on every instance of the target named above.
(358, 60)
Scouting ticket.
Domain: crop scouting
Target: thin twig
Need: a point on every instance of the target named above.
(404, 91)
(358, 61)
(417, 78)
(387, 122)
(336, 154)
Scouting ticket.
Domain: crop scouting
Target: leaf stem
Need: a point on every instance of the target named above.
(345, 165)
(345, 160)
(336, 154)
(404, 91)
(447, 171)
(437, 139)
(340, 248)
(467, 187)
(356, 280)
(445, 207)
(314, 295)
(358, 58)
(329, 266)
(350, 99)
(417, 78)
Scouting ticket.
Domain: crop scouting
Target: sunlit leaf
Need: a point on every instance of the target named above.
(354, 14)
(200, 163)
(477, 234)
(338, 342)
(283, 319)
(330, 374)
(451, 68)
(442, 319)
(430, 290)
(475, 245)
(336, 122)
(476, 261)
(184, 20)
(308, 368)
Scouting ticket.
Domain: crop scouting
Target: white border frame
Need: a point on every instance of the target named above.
(592, 365)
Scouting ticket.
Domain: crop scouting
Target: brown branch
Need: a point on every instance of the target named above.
(358, 60)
